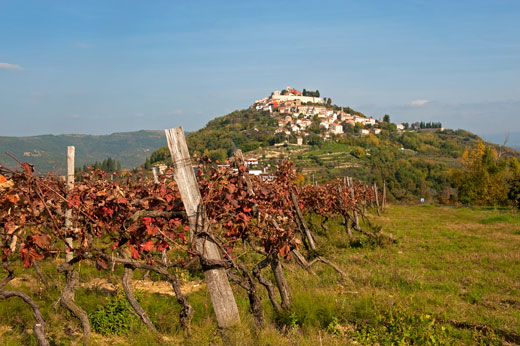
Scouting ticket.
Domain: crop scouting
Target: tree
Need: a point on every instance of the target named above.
(317, 93)
(329, 101)
(386, 118)
(316, 140)
(358, 152)
(484, 179)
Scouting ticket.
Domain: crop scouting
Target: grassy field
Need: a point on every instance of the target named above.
(453, 277)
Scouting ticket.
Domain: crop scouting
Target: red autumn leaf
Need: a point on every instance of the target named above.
(135, 253)
(101, 264)
(151, 230)
(285, 250)
(147, 220)
(13, 198)
(175, 222)
(28, 168)
(42, 240)
(29, 255)
(148, 246)
(10, 227)
(108, 211)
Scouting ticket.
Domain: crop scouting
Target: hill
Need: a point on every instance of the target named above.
(416, 162)
(47, 152)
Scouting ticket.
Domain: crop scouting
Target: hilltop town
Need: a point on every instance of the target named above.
(297, 111)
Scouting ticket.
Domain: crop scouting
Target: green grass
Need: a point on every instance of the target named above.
(450, 267)
(501, 218)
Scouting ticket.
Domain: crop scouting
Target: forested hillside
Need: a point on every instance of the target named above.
(414, 164)
(47, 152)
(245, 129)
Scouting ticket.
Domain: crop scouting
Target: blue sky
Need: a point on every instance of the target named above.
(108, 66)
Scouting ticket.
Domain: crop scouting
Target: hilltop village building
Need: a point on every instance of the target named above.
(296, 112)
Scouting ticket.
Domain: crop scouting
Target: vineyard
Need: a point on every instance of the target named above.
(232, 226)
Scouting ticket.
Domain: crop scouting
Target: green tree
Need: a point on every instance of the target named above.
(358, 152)
(316, 140)
(386, 118)
(484, 178)
(147, 164)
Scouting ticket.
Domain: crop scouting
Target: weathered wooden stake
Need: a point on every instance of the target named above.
(377, 199)
(352, 195)
(68, 212)
(301, 221)
(217, 282)
(384, 195)
(345, 217)
(155, 173)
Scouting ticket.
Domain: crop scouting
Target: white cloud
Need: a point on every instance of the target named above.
(13, 67)
(419, 103)
(176, 112)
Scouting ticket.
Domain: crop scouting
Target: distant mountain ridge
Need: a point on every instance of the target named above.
(48, 152)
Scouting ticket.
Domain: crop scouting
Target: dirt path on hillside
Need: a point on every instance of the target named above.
(105, 286)
(157, 287)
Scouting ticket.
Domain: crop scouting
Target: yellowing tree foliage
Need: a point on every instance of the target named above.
(486, 177)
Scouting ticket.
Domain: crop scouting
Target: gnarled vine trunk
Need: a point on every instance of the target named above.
(67, 297)
(39, 326)
(130, 296)
(281, 281)
(257, 273)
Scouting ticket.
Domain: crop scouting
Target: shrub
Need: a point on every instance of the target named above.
(358, 152)
(115, 318)
(397, 327)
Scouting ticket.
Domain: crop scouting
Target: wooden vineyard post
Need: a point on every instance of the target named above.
(384, 196)
(377, 198)
(155, 173)
(68, 212)
(349, 231)
(222, 297)
(301, 221)
(352, 195)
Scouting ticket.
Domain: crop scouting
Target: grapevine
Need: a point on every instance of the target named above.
(142, 225)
